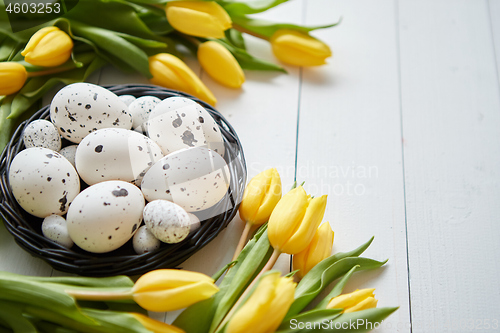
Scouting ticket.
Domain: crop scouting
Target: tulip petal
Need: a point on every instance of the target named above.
(349, 300)
(220, 64)
(210, 7)
(303, 236)
(287, 217)
(49, 47)
(194, 23)
(367, 303)
(12, 77)
(37, 37)
(155, 325)
(272, 197)
(175, 298)
(161, 279)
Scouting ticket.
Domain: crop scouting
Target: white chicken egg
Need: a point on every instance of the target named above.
(69, 152)
(167, 221)
(42, 133)
(127, 99)
(179, 122)
(195, 223)
(54, 228)
(81, 108)
(105, 216)
(115, 154)
(144, 241)
(43, 181)
(194, 178)
(140, 110)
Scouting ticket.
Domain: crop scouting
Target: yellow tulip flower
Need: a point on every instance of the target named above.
(155, 325)
(356, 301)
(170, 72)
(48, 47)
(220, 64)
(299, 49)
(198, 18)
(266, 307)
(171, 289)
(294, 221)
(12, 77)
(260, 197)
(320, 248)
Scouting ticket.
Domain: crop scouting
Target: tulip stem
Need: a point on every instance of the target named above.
(270, 263)
(85, 295)
(243, 240)
(250, 32)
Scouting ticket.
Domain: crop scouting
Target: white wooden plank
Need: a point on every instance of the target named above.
(494, 20)
(451, 121)
(350, 143)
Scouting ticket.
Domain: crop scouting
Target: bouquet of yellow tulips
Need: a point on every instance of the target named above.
(142, 36)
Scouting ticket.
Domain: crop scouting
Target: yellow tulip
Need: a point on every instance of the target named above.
(198, 18)
(171, 289)
(294, 221)
(320, 248)
(266, 307)
(356, 301)
(170, 72)
(12, 77)
(260, 197)
(220, 64)
(299, 49)
(48, 47)
(155, 325)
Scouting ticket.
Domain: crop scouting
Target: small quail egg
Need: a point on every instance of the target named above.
(167, 221)
(127, 99)
(195, 223)
(43, 181)
(81, 108)
(140, 110)
(69, 152)
(115, 154)
(144, 241)
(54, 228)
(194, 178)
(179, 122)
(42, 133)
(105, 216)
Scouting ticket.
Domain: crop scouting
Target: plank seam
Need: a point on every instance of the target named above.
(493, 41)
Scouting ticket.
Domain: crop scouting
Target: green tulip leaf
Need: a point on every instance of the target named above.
(217, 275)
(307, 321)
(250, 7)
(119, 281)
(8, 49)
(11, 314)
(248, 61)
(113, 321)
(235, 38)
(47, 327)
(337, 290)
(266, 29)
(312, 284)
(360, 321)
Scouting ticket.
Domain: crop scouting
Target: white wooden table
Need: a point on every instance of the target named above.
(402, 130)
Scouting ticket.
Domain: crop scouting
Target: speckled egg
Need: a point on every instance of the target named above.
(115, 154)
(194, 178)
(167, 221)
(54, 228)
(127, 99)
(69, 152)
(140, 110)
(105, 216)
(81, 108)
(43, 181)
(179, 122)
(144, 241)
(42, 133)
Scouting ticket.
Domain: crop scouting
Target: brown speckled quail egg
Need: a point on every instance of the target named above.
(43, 181)
(140, 110)
(167, 221)
(81, 108)
(127, 99)
(54, 228)
(115, 154)
(179, 122)
(144, 241)
(69, 152)
(42, 133)
(105, 216)
(194, 178)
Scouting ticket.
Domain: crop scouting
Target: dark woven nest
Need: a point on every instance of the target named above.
(26, 228)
